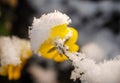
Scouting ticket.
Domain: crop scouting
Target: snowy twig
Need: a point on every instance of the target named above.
(72, 56)
(86, 69)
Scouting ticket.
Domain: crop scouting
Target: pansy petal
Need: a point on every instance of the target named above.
(73, 47)
(10, 72)
(47, 50)
(74, 36)
(49, 55)
(17, 72)
(3, 70)
(46, 46)
(60, 58)
(59, 31)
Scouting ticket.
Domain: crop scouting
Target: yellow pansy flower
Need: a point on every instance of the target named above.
(48, 50)
(49, 27)
(13, 55)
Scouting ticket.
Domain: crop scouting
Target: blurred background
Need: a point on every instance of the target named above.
(97, 21)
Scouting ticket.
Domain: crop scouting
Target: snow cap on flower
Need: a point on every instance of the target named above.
(12, 49)
(40, 28)
(8, 54)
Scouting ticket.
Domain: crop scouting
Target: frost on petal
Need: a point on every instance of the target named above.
(13, 49)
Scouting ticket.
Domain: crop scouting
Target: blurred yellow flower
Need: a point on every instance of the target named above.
(14, 53)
